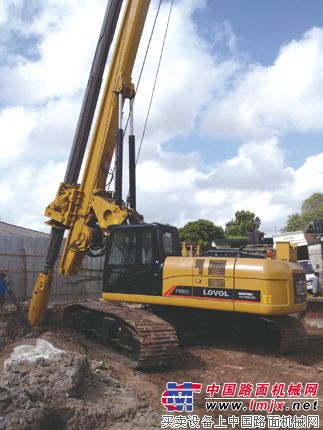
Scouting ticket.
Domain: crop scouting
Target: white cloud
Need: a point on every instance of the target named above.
(41, 95)
(224, 35)
(64, 51)
(277, 99)
(16, 124)
(54, 133)
(257, 166)
(3, 13)
(309, 177)
(255, 179)
(25, 193)
(189, 74)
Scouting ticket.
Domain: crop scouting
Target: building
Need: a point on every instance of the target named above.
(22, 255)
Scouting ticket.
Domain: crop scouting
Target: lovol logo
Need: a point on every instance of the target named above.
(212, 292)
(179, 397)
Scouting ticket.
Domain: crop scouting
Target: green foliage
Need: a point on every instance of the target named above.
(294, 222)
(311, 209)
(201, 231)
(236, 237)
(244, 222)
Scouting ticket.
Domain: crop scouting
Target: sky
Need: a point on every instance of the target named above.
(236, 120)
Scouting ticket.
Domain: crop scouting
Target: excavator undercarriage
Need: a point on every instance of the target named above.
(151, 336)
(149, 341)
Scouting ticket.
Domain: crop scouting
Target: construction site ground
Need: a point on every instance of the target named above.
(91, 387)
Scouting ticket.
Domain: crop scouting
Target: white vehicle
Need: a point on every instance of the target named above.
(309, 270)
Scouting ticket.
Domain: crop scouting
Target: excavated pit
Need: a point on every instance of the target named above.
(90, 387)
(63, 392)
(68, 391)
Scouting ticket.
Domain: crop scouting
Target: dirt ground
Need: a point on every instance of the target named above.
(93, 388)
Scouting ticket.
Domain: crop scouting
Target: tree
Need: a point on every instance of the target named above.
(200, 231)
(244, 222)
(294, 222)
(311, 209)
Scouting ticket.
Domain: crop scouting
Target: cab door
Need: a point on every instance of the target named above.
(148, 277)
(131, 265)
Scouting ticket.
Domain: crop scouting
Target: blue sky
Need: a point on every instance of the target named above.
(236, 121)
(262, 27)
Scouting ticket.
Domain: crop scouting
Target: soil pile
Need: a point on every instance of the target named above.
(64, 392)
(30, 390)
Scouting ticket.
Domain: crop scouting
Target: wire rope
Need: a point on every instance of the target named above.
(139, 79)
(155, 81)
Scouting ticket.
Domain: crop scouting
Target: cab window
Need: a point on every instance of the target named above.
(123, 248)
(170, 244)
(147, 247)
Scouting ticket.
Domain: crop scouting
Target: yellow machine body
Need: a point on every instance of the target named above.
(257, 286)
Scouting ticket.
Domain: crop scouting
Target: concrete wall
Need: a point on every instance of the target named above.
(21, 258)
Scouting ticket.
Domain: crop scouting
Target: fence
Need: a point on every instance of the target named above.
(22, 258)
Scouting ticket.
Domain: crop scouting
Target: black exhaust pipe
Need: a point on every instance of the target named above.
(132, 172)
(119, 162)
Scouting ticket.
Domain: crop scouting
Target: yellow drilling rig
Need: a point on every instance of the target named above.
(143, 262)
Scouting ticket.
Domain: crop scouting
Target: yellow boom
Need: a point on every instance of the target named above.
(77, 207)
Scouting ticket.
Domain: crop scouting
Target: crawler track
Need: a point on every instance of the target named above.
(142, 336)
(151, 340)
(283, 334)
(293, 336)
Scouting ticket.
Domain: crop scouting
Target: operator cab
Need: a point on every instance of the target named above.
(135, 257)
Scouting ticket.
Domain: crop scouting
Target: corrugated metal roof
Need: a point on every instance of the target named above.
(15, 230)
